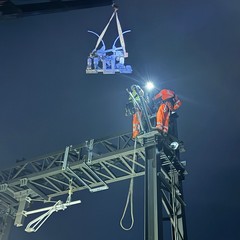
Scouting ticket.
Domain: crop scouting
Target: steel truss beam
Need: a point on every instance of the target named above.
(170, 185)
(93, 165)
(48, 177)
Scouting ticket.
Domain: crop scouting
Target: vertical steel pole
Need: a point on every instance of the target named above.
(153, 203)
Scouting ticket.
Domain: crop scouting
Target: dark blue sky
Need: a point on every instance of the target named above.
(48, 102)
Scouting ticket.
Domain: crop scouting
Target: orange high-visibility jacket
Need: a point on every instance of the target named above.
(170, 102)
(166, 94)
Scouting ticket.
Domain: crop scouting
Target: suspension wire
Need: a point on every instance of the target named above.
(130, 195)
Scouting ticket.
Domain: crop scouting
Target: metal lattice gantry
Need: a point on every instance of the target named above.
(48, 176)
(95, 164)
(91, 165)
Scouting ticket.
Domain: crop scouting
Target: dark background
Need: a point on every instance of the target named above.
(48, 102)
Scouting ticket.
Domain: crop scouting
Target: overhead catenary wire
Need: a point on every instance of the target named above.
(130, 195)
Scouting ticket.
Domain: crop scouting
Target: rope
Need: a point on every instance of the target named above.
(130, 195)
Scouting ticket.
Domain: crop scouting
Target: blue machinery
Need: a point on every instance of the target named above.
(109, 61)
(100, 60)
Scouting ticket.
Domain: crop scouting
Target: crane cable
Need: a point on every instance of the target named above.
(130, 195)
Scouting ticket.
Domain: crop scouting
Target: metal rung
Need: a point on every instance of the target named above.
(98, 189)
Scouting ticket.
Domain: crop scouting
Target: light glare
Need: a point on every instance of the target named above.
(149, 85)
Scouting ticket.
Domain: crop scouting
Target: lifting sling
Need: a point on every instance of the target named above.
(109, 61)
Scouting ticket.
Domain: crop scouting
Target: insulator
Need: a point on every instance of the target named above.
(89, 63)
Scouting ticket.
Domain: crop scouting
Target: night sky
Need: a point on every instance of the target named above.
(47, 102)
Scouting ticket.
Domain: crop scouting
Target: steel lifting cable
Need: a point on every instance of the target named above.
(130, 195)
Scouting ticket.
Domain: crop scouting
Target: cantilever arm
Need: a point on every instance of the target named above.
(35, 224)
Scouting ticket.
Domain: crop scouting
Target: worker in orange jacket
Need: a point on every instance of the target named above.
(169, 102)
(135, 111)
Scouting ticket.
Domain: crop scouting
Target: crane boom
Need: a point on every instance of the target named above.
(10, 8)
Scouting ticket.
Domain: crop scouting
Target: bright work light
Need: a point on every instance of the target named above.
(149, 86)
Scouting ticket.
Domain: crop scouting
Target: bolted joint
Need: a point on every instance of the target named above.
(3, 187)
(23, 182)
